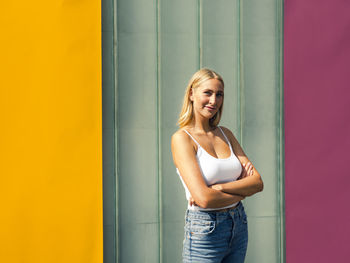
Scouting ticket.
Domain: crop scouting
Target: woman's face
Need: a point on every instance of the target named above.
(207, 98)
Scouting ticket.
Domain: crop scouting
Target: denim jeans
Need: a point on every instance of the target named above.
(215, 236)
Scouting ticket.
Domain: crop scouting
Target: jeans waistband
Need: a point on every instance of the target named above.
(214, 214)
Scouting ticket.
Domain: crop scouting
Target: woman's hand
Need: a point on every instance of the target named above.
(191, 201)
(247, 170)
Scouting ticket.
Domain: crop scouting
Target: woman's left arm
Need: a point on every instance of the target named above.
(250, 182)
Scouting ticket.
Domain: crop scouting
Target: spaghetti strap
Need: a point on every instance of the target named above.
(229, 144)
(192, 138)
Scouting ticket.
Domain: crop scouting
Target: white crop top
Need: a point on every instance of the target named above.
(214, 170)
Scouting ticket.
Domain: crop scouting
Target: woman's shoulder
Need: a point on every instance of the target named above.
(226, 130)
(181, 141)
(180, 136)
(229, 134)
(234, 142)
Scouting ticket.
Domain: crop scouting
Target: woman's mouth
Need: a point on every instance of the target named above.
(210, 108)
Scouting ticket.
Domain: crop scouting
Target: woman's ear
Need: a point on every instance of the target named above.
(191, 94)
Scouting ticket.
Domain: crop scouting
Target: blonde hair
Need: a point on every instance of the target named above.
(186, 116)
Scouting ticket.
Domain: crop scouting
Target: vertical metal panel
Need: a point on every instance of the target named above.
(179, 59)
(221, 43)
(261, 123)
(137, 130)
(109, 133)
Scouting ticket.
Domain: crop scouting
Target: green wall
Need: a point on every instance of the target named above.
(151, 49)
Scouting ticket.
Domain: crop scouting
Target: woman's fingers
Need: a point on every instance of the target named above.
(244, 171)
(191, 201)
(248, 169)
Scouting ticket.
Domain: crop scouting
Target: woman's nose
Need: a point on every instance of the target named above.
(213, 99)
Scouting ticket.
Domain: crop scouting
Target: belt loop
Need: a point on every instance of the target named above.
(240, 205)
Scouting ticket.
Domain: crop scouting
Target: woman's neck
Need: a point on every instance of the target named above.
(201, 126)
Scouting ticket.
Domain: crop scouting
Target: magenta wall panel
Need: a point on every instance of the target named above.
(317, 130)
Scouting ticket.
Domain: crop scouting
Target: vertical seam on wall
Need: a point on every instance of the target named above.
(241, 71)
(278, 116)
(238, 71)
(200, 34)
(159, 161)
(116, 149)
(280, 146)
(281, 131)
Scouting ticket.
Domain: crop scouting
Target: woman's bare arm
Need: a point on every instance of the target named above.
(184, 155)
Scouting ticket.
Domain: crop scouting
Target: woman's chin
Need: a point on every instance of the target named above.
(210, 115)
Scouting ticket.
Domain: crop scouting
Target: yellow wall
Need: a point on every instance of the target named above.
(50, 136)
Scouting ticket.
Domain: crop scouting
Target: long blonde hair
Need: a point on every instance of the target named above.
(186, 116)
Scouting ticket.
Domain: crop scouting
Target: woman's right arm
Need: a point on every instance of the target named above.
(184, 155)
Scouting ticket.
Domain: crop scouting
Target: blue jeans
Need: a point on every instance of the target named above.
(215, 236)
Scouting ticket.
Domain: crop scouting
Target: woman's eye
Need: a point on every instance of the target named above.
(207, 92)
(219, 95)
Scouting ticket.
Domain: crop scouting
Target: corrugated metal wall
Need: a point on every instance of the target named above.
(158, 46)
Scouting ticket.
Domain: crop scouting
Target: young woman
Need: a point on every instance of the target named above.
(216, 175)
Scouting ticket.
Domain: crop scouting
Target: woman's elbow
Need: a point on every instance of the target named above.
(203, 200)
(260, 185)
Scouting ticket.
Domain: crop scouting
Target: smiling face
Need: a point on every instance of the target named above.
(207, 98)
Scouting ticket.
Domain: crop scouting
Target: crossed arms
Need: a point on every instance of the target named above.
(218, 195)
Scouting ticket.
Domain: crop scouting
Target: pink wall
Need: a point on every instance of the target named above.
(317, 130)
